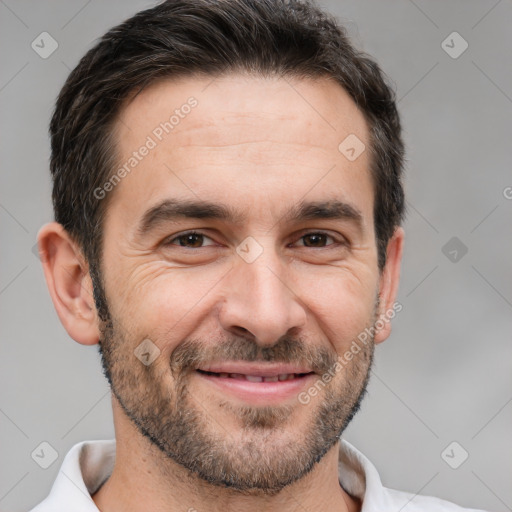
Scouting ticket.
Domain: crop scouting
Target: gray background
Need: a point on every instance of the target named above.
(445, 373)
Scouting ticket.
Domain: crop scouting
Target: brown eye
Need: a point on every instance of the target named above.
(191, 240)
(316, 240)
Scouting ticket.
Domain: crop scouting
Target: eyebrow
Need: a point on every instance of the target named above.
(173, 209)
(314, 210)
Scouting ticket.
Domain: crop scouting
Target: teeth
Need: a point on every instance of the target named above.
(256, 378)
(253, 378)
(238, 376)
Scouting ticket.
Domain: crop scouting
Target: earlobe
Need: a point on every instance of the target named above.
(388, 286)
(69, 283)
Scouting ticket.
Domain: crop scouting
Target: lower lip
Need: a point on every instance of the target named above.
(263, 393)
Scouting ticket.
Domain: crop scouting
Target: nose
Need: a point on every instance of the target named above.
(260, 300)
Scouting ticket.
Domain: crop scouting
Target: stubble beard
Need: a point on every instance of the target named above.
(258, 458)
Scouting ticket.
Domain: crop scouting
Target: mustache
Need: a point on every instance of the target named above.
(191, 354)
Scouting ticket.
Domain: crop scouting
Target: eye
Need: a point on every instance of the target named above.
(191, 240)
(318, 240)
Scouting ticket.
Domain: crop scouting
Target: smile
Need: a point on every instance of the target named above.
(256, 378)
(256, 383)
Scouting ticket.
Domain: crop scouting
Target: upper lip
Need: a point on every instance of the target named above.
(255, 369)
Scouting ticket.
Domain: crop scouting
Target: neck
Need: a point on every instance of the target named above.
(145, 479)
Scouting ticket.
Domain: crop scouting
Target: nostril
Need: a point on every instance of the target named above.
(242, 331)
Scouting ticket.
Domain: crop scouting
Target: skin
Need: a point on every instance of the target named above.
(259, 145)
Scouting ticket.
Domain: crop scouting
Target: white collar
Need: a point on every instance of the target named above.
(89, 464)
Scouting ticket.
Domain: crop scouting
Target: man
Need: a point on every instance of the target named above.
(228, 200)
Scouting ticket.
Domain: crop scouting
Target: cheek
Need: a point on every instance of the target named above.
(166, 305)
(341, 302)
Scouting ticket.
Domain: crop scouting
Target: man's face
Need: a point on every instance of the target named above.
(242, 325)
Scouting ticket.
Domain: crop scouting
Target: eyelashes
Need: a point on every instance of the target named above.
(194, 240)
(190, 235)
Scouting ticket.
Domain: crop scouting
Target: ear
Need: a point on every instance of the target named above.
(69, 283)
(388, 286)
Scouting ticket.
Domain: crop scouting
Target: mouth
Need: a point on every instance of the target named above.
(258, 384)
(280, 377)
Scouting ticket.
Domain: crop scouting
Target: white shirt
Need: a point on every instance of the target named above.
(89, 464)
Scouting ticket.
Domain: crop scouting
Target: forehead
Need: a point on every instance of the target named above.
(251, 141)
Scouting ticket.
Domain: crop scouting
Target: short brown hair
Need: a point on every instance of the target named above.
(179, 38)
